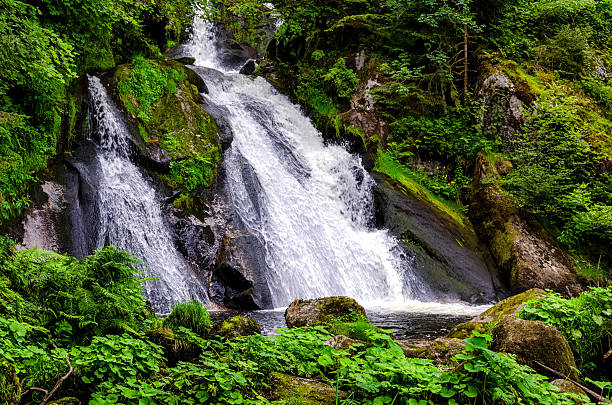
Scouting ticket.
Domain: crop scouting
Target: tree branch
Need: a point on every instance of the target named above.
(58, 384)
(558, 374)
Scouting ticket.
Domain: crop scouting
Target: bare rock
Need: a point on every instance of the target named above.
(341, 342)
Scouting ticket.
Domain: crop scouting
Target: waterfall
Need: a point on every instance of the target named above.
(127, 210)
(310, 205)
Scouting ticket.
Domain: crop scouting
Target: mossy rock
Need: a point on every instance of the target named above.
(175, 349)
(321, 311)
(66, 401)
(508, 306)
(302, 390)
(570, 388)
(534, 341)
(440, 350)
(236, 326)
(10, 387)
(174, 125)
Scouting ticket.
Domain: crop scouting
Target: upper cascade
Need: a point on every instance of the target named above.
(310, 205)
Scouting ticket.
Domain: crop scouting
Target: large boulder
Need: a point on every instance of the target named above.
(527, 256)
(303, 391)
(443, 247)
(534, 341)
(506, 307)
(320, 311)
(236, 326)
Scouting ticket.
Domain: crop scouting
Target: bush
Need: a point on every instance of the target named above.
(77, 299)
(342, 79)
(191, 315)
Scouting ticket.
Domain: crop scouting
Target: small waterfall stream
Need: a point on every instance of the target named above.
(310, 205)
(129, 215)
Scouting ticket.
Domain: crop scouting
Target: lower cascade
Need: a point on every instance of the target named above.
(128, 210)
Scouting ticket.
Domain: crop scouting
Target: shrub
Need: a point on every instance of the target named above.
(585, 321)
(77, 299)
(342, 79)
(191, 315)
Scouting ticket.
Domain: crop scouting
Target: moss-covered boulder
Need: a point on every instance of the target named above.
(440, 350)
(66, 401)
(569, 387)
(320, 311)
(236, 326)
(302, 390)
(178, 138)
(533, 341)
(10, 387)
(175, 349)
(508, 306)
(526, 254)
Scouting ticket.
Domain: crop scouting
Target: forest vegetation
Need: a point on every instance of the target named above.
(81, 331)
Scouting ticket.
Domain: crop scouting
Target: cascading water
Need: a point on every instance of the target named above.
(309, 204)
(128, 213)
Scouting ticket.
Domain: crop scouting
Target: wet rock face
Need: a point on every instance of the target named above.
(320, 311)
(238, 280)
(503, 110)
(533, 341)
(527, 256)
(447, 255)
(248, 68)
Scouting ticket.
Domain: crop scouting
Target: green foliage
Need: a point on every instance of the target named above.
(558, 173)
(343, 80)
(116, 359)
(585, 321)
(191, 315)
(567, 51)
(192, 173)
(74, 299)
(145, 85)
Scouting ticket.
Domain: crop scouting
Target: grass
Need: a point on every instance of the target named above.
(412, 184)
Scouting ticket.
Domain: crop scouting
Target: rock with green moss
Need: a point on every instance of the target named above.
(66, 401)
(534, 342)
(508, 306)
(445, 249)
(163, 100)
(175, 349)
(321, 311)
(305, 391)
(528, 257)
(10, 387)
(440, 350)
(236, 326)
(568, 387)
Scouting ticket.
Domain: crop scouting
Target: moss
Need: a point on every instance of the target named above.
(336, 307)
(236, 326)
(412, 187)
(483, 322)
(175, 349)
(66, 401)
(10, 387)
(534, 341)
(163, 97)
(298, 390)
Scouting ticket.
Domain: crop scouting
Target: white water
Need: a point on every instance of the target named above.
(129, 210)
(309, 204)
